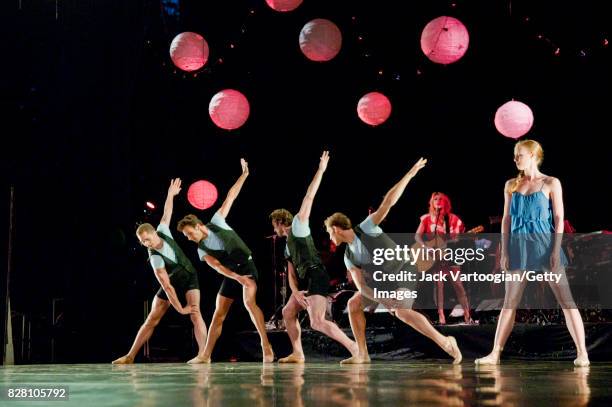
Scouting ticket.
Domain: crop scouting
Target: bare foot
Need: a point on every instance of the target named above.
(356, 360)
(453, 349)
(268, 355)
(123, 360)
(198, 360)
(441, 319)
(582, 360)
(293, 358)
(491, 359)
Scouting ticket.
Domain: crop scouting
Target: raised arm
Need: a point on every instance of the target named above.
(304, 212)
(396, 192)
(232, 194)
(173, 190)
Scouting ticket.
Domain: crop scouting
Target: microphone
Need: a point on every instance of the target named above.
(271, 237)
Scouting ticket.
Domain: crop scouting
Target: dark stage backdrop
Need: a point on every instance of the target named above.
(100, 122)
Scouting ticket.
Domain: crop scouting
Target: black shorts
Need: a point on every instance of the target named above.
(182, 281)
(316, 281)
(231, 288)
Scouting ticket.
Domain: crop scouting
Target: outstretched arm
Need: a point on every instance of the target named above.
(304, 212)
(232, 194)
(173, 190)
(164, 280)
(394, 193)
(221, 269)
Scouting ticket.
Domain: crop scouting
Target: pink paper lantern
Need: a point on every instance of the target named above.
(229, 109)
(444, 40)
(202, 194)
(320, 40)
(374, 108)
(189, 51)
(513, 119)
(284, 5)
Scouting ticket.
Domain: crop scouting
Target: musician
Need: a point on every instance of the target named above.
(440, 221)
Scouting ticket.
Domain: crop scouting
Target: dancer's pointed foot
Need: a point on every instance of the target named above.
(356, 360)
(123, 360)
(453, 349)
(491, 359)
(268, 355)
(199, 360)
(582, 360)
(293, 358)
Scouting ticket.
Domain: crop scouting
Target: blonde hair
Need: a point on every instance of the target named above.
(282, 216)
(338, 219)
(533, 147)
(145, 227)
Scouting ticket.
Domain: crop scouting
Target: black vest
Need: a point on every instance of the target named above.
(302, 253)
(181, 263)
(235, 251)
(380, 241)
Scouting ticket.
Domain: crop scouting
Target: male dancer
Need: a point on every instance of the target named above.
(310, 286)
(360, 241)
(223, 250)
(176, 275)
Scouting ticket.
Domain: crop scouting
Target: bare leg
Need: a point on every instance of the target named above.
(424, 327)
(317, 304)
(222, 306)
(358, 325)
(573, 319)
(290, 317)
(158, 310)
(248, 295)
(505, 322)
(440, 301)
(463, 300)
(199, 327)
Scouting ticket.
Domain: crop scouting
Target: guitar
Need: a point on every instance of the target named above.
(438, 242)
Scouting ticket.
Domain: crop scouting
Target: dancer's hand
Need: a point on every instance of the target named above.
(324, 160)
(301, 298)
(417, 166)
(186, 310)
(555, 261)
(245, 167)
(504, 262)
(246, 281)
(175, 187)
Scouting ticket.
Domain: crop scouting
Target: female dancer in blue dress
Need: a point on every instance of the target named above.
(532, 229)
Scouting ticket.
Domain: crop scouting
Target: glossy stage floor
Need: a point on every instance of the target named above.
(424, 382)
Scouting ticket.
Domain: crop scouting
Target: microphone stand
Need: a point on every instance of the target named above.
(275, 321)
